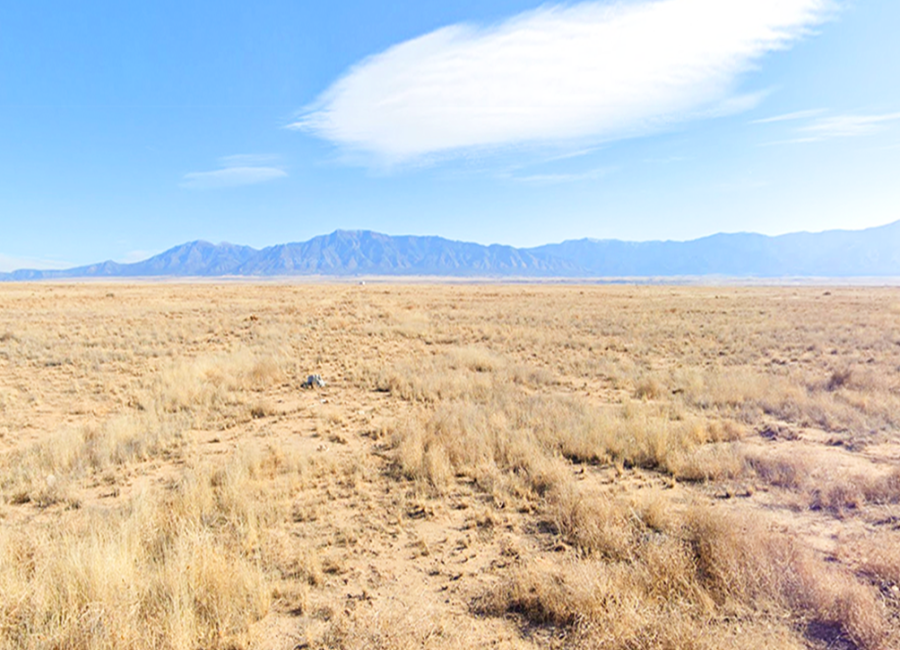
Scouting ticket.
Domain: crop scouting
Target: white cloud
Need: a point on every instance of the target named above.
(249, 160)
(833, 126)
(244, 169)
(13, 263)
(787, 117)
(592, 71)
(563, 177)
(667, 160)
(847, 126)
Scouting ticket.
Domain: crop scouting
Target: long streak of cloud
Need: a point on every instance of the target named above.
(831, 127)
(591, 71)
(848, 126)
(790, 117)
(236, 171)
(12, 263)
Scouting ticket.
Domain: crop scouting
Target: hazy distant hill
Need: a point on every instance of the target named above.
(197, 258)
(835, 253)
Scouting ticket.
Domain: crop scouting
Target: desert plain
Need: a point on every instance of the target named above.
(488, 465)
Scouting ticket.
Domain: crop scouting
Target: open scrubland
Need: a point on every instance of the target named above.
(516, 466)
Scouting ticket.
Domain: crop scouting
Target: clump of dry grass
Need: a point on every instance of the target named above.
(669, 588)
(846, 401)
(821, 488)
(180, 396)
(649, 388)
(178, 570)
(497, 431)
(596, 524)
(43, 473)
(848, 492)
(878, 557)
(715, 461)
(211, 386)
(782, 470)
(459, 373)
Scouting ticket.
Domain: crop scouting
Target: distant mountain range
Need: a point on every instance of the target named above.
(834, 253)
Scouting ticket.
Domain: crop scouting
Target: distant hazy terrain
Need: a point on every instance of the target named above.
(835, 253)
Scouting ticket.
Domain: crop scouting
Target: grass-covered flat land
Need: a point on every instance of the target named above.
(489, 466)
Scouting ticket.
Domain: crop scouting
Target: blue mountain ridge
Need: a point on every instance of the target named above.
(835, 253)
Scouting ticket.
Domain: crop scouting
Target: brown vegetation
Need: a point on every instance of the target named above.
(521, 466)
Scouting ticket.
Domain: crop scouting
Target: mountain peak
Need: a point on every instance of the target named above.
(835, 253)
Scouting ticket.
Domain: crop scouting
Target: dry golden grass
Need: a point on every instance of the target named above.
(520, 466)
(169, 570)
(685, 587)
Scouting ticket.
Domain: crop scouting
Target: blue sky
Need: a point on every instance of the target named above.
(127, 128)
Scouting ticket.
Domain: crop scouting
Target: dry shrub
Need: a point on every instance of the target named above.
(486, 426)
(741, 565)
(209, 384)
(297, 569)
(654, 508)
(711, 462)
(176, 570)
(746, 394)
(656, 436)
(877, 556)
(545, 593)
(44, 472)
(459, 373)
(603, 605)
(407, 324)
(494, 443)
(517, 433)
(639, 587)
(882, 489)
(475, 359)
(649, 388)
(837, 492)
(530, 376)
(734, 389)
(433, 381)
(508, 385)
(182, 395)
(782, 470)
(838, 379)
(40, 474)
(595, 523)
(848, 492)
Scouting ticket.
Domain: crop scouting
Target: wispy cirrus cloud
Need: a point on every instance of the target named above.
(250, 160)
(238, 170)
(562, 177)
(14, 263)
(830, 127)
(848, 126)
(667, 160)
(593, 71)
(790, 117)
